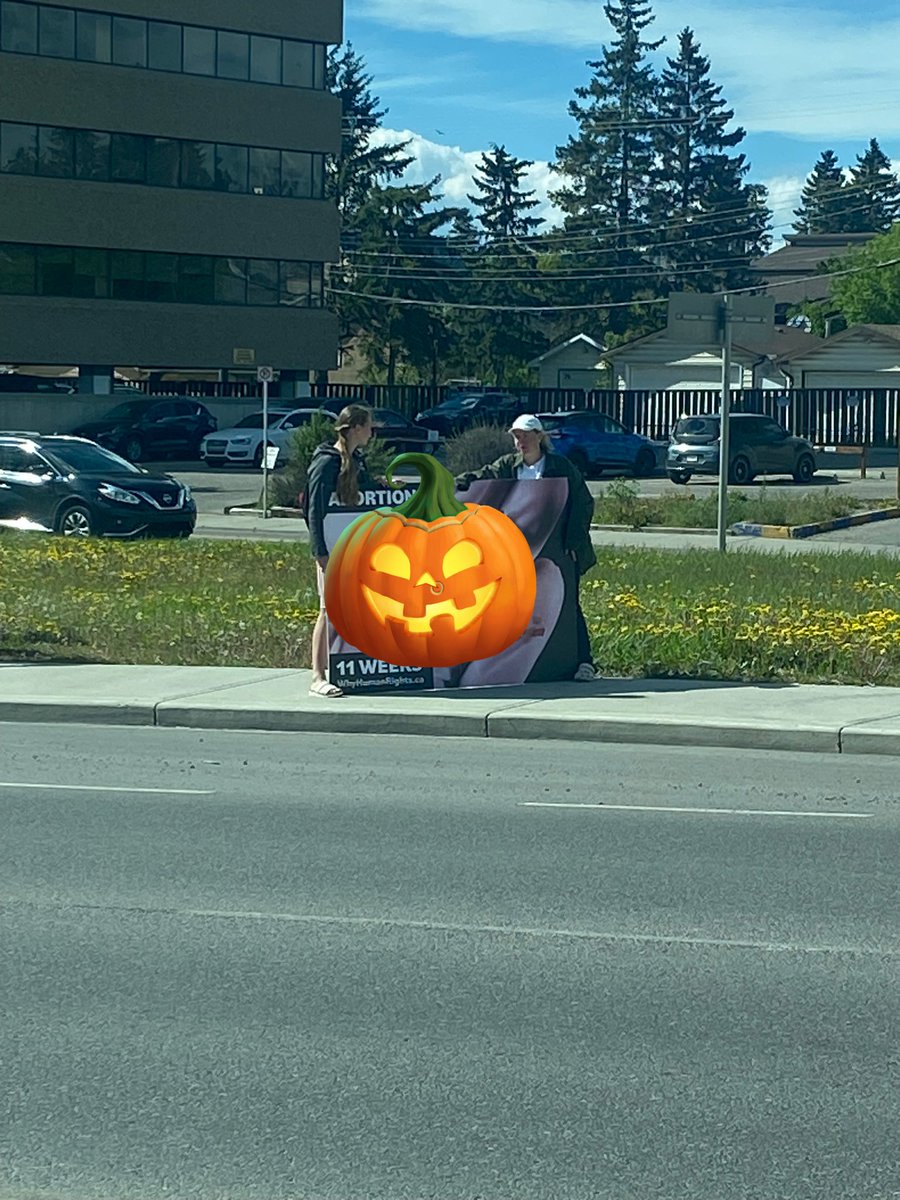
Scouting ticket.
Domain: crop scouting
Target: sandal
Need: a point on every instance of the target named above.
(324, 688)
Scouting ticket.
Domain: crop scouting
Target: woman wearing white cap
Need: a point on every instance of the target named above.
(533, 459)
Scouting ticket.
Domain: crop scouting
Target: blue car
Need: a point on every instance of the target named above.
(595, 443)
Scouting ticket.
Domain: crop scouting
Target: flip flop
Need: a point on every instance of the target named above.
(324, 688)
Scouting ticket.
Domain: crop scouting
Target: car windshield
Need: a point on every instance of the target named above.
(552, 424)
(83, 456)
(127, 411)
(255, 420)
(697, 427)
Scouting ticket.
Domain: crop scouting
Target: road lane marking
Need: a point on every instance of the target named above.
(86, 787)
(695, 941)
(731, 812)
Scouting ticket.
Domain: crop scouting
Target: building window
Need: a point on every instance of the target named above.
(198, 164)
(231, 169)
(96, 155)
(163, 46)
(56, 32)
(128, 158)
(56, 152)
(265, 59)
(18, 148)
(20, 27)
(298, 65)
(92, 154)
(28, 270)
(199, 50)
(233, 55)
(16, 270)
(296, 174)
(163, 162)
(94, 37)
(129, 42)
(265, 172)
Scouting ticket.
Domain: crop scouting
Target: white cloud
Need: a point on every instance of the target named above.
(801, 69)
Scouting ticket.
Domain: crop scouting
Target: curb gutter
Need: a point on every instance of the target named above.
(750, 529)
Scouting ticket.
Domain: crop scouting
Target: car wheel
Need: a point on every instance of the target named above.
(76, 521)
(132, 449)
(579, 460)
(680, 476)
(645, 463)
(741, 472)
(804, 470)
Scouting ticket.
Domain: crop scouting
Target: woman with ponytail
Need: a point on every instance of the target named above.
(337, 469)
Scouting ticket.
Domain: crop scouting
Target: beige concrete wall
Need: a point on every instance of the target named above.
(64, 331)
(123, 100)
(53, 212)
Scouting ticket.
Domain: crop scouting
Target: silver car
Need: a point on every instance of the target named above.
(757, 445)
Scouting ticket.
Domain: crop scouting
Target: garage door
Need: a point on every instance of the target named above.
(858, 382)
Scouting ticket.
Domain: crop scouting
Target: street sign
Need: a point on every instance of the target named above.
(697, 317)
(243, 356)
(265, 374)
(271, 457)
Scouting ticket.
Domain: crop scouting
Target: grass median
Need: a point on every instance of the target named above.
(621, 504)
(829, 618)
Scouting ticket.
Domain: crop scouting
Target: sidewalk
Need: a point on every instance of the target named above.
(824, 720)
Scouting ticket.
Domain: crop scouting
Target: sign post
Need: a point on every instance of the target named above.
(265, 375)
(709, 320)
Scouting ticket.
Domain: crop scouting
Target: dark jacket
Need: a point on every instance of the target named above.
(321, 481)
(576, 523)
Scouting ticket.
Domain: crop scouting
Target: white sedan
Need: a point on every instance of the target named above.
(243, 444)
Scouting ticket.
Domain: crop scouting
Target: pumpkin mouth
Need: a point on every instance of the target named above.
(386, 608)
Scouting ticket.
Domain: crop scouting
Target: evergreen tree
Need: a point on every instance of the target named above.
(825, 199)
(708, 223)
(875, 190)
(607, 166)
(362, 163)
(502, 204)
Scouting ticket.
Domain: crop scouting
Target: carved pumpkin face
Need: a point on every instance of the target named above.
(417, 592)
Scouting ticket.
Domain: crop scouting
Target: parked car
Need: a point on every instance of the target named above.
(147, 428)
(242, 445)
(402, 435)
(463, 410)
(74, 487)
(757, 445)
(595, 443)
(10, 381)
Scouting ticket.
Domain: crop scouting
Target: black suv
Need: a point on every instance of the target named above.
(74, 487)
(151, 428)
(463, 410)
(757, 445)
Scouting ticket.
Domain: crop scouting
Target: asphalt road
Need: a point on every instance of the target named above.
(216, 488)
(352, 969)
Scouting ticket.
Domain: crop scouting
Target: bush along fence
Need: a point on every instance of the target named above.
(827, 416)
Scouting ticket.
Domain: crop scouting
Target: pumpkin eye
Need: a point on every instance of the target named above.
(462, 556)
(392, 561)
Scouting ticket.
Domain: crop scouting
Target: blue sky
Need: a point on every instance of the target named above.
(460, 74)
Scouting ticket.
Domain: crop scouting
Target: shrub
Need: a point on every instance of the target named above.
(287, 484)
(476, 447)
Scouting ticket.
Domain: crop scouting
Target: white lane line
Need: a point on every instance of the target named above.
(697, 941)
(665, 808)
(86, 787)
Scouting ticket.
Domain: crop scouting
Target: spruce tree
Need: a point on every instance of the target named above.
(708, 223)
(503, 206)
(875, 190)
(607, 166)
(825, 199)
(362, 164)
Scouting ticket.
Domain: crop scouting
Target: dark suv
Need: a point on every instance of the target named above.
(74, 487)
(463, 410)
(151, 428)
(757, 445)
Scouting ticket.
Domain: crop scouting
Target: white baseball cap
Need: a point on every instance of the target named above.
(527, 421)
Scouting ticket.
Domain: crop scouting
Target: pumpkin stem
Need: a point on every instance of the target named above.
(435, 497)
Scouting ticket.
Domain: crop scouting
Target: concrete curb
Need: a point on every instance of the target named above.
(655, 529)
(750, 529)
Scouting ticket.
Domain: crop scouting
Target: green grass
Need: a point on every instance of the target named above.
(816, 618)
(620, 504)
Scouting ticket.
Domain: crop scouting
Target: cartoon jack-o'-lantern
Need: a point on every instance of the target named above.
(432, 582)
